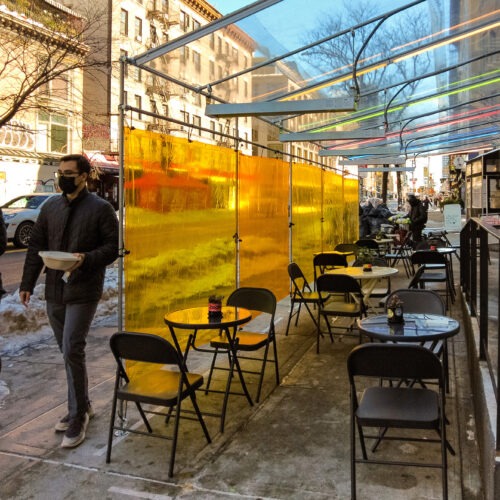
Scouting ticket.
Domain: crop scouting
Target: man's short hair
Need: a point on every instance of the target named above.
(82, 163)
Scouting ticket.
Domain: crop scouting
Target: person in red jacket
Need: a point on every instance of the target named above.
(85, 225)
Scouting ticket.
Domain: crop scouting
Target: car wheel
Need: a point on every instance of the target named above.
(22, 236)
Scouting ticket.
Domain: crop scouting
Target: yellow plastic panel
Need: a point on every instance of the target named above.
(351, 210)
(263, 223)
(333, 210)
(180, 217)
(306, 216)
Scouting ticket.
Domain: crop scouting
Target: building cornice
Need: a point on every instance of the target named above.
(37, 31)
(204, 8)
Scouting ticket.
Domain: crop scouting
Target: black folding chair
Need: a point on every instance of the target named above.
(402, 407)
(153, 385)
(325, 261)
(301, 294)
(435, 270)
(255, 299)
(341, 296)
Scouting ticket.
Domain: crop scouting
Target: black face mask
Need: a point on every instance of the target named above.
(67, 184)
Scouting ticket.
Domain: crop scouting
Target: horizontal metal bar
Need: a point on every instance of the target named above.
(332, 136)
(385, 169)
(205, 30)
(389, 160)
(267, 108)
(388, 150)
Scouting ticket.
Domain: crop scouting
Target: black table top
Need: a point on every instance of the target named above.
(197, 318)
(416, 328)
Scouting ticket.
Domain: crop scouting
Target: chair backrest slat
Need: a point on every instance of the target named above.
(401, 361)
(255, 299)
(416, 300)
(144, 347)
(338, 283)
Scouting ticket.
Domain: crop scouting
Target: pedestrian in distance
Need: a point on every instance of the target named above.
(418, 218)
(85, 225)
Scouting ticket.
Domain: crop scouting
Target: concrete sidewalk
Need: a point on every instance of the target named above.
(293, 445)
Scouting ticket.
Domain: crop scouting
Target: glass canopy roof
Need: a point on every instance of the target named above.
(424, 75)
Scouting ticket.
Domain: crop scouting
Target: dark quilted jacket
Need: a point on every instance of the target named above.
(86, 225)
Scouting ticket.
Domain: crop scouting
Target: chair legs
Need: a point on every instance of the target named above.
(234, 366)
(297, 313)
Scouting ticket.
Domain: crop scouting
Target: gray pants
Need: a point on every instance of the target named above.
(71, 323)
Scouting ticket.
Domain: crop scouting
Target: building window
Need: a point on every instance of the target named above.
(235, 55)
(124, 22)
(153, 35)
(185, 117)
(212, 41)
(53, 132)
(196, 24)
(164, 5)
(165, 109)
(197, 61)
(211, 70)
(184, 51)
(212, 128)
(197, 120)
(137, 74)
(184, 21)
(138, 105)
(138, 29)
(245, 87)
(154, 107)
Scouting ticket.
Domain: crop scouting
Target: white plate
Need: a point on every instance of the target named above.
(60, 261)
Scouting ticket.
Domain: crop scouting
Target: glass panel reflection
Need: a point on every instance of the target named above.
(263, 223)
(179, 223)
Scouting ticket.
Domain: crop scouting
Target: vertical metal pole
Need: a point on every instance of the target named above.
(121, 200)
(483, 295)
(290, 204)
(237, 239)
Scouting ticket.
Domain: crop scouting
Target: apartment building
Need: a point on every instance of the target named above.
(48, 123)
(277, 79)
(133, 28)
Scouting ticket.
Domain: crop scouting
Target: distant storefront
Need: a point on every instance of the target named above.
(104, 182)
(483, 184)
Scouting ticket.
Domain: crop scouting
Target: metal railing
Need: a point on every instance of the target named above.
(479, 275)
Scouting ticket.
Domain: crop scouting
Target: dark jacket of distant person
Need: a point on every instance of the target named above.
(417, 214)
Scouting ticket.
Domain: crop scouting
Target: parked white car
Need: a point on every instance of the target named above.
(21, 213)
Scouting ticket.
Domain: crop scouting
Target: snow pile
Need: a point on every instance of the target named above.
(22, 327)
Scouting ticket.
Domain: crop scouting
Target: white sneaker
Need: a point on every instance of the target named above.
(75, 433)
(63, 424)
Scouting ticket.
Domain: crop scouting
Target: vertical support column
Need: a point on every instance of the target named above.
(237, 239)
(483, 297)
(290, 205)
(121, 199)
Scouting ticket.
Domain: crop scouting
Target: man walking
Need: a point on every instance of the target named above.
(85, 225)
(418, 218)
